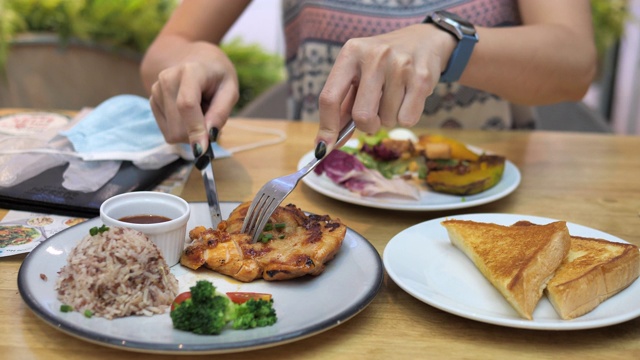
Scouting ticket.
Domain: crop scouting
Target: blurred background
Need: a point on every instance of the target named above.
(70, 54)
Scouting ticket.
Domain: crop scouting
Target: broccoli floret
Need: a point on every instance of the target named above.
(203, 313)
(203, 291)
(254, 313)
(207, 312)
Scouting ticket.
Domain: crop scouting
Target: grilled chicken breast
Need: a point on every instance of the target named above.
(294, 244)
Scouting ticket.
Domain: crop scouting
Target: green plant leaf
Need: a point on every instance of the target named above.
(257, 69)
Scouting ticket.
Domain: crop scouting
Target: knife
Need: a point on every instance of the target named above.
(204, 165)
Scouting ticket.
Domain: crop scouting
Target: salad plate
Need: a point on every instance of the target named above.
(305, 306)
(448, 280)
(429, 200)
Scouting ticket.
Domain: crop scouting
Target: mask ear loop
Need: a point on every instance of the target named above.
(280, 136)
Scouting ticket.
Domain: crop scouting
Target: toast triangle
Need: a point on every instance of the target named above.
(517, 260)
(593, 271)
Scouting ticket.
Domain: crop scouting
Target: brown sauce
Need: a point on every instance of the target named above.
(145, 219)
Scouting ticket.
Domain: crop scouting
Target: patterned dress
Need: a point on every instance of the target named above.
(315, 30)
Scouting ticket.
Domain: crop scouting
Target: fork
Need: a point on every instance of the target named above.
(275, 191)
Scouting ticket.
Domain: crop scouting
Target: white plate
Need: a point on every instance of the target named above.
(423, 262)
(429, 200)
(305, 306)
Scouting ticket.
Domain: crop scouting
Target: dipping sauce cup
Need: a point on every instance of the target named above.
(169, 235)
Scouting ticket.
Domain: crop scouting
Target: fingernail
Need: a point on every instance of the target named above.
(321, 150)
(202, 162)
(197, 150)
(213, 134)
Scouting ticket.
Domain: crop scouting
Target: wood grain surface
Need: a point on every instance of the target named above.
(584, 178)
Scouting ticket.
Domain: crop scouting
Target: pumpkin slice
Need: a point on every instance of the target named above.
(468, 177)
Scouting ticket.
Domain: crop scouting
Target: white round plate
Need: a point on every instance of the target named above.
(429, 200)
(424, 263)
(305, 307)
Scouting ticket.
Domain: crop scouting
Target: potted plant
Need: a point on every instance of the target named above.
(71, 54)
(115, 24)
(75, 53)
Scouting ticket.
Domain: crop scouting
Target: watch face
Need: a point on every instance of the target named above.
(456, 21)
(455, 18)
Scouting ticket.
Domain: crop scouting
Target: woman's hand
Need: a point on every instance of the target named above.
(192, 83)
(383, 80)
(198, 94)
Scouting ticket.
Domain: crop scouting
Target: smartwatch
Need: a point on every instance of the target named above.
(467, 38)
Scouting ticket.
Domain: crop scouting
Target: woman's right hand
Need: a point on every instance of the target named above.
(195, 95)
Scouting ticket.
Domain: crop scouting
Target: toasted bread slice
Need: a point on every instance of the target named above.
(517, 260)
(593, 271)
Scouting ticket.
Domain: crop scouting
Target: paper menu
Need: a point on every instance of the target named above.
(22, 231)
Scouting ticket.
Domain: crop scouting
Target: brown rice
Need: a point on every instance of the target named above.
(117, 273)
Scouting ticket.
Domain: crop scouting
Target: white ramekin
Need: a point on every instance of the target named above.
(169, 236)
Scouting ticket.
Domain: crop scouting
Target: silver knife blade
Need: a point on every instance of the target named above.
(204, 165)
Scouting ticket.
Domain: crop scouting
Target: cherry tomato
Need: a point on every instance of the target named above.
(180, 299)
(242, 297)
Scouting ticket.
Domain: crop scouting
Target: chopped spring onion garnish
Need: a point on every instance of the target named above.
(271, 226)
(266, 237)
(98, 230)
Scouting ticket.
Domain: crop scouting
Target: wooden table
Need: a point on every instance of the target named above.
(588, 179)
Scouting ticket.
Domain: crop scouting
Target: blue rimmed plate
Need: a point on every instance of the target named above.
(305, 306)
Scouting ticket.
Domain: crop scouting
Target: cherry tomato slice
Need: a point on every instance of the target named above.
(180, 299)
(242, 297)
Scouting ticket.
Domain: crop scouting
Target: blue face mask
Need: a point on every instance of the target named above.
(123, 128)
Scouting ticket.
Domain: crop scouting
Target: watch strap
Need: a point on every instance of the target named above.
(459, 59)
(461, 53)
